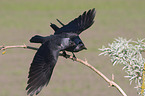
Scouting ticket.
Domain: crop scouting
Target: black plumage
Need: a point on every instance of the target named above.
(45, 59)
(64, 38)
(77, 26)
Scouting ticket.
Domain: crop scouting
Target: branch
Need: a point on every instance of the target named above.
(17, 46)
(111, 82)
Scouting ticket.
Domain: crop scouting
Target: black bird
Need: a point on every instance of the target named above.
(77, 25)
(45, 59)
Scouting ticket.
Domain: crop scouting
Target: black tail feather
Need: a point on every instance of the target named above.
(54, 27)
(60, 22)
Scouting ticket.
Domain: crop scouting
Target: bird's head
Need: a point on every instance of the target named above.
(79, 47)
(79, 44)
(66, 42)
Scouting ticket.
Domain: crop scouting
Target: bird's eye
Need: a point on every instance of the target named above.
(72, 43)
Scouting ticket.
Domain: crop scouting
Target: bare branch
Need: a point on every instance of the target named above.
(85, 62)
(17, 46)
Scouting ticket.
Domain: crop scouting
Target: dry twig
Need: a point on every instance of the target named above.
(111, 82)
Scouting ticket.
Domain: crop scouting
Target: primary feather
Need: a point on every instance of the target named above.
(44, 61)
(79, 24)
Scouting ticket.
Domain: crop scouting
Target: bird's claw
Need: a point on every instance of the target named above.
(65, 55)
(74, 57)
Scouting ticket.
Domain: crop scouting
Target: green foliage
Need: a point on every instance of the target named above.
(129, 54)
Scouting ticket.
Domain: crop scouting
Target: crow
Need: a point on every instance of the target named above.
(45, 59)
(77, 26)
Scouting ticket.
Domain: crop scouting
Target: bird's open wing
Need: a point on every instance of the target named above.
(41, 69)
(79, 24)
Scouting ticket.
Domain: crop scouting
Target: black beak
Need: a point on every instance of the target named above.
(85, 48)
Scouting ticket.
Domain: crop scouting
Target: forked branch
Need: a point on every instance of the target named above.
(84, 62)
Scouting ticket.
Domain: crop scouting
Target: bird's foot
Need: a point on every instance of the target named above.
(65, 55)
(74, 57)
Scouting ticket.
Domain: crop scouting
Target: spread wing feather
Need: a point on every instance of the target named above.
(79, 24)
(41, 69)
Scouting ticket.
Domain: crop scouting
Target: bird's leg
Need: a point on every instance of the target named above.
(73, 55)
(64, 54)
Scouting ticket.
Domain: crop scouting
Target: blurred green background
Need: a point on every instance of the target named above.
(22, 19)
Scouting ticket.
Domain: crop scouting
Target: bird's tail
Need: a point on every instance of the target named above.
(37, 39)
(54, 27)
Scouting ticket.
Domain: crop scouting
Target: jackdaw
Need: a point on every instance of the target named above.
(77, 26)
(45, 59)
